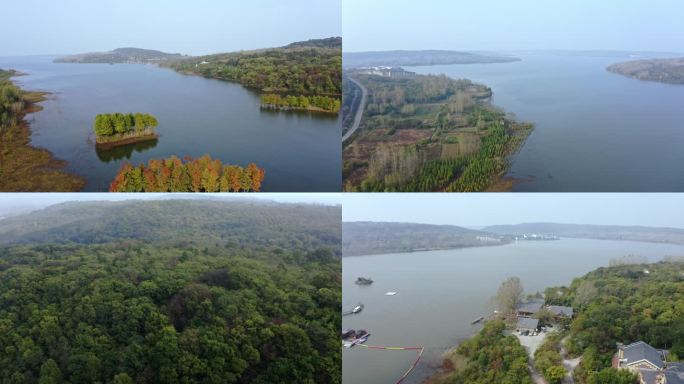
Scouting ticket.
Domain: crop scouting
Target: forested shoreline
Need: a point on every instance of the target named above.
(310, 70)
(23, 167)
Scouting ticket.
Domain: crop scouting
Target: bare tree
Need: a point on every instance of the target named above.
(509, 294)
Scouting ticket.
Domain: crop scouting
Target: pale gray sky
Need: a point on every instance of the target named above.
(194, 27)
(646, 25)
(481, 209)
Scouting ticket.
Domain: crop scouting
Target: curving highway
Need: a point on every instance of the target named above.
(359, 111)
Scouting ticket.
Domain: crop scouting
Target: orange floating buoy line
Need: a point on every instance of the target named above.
(420, 350)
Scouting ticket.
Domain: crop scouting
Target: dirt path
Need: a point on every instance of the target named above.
(568, 364)
(359, 111)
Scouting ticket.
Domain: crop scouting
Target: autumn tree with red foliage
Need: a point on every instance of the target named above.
(188, 175)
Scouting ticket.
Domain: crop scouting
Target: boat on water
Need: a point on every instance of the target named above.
(390, 293)
(358, 308)
(364, 281)
(477, 320)
(354, 337)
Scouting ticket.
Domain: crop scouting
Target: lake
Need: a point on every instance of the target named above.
(439, 293)
(197, 116)
(594, 130)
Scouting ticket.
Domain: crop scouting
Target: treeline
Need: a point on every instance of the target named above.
(192, 175)
(294, 70)
(134, 312)
(402, 97)
(625, 303)
(488, 357)
(110, 124)
(322, 103)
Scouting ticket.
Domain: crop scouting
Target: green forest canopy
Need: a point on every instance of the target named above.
(624, 303)
(109, 124)
(244, 292)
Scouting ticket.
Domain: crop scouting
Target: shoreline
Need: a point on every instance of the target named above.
(124, 141)
(24, 167)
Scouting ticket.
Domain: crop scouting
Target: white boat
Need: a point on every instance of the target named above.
(390, 293)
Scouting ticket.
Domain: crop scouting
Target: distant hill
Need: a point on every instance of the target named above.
(427, 57)
(250, 223)
(121, 55)
(366, 238)
(602, 232)
(330, 42)
(660, 70)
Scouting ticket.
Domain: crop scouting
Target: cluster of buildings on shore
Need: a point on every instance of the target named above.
(394, 72)
(649, 363)
(526, 312)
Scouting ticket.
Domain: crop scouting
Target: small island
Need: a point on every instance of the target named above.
(114, 129)
(670, 71)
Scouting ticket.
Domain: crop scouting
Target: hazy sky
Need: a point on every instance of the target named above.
(481, 209)
(185, 26)
(656, 25)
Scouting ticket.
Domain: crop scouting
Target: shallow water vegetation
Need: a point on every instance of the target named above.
(23, 167)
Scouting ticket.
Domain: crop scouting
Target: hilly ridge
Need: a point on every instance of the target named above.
(366, 238)
(174, 221)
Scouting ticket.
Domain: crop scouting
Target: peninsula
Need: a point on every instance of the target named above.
(425, 133)
(669, 71)
(303, 75)
(121, 56)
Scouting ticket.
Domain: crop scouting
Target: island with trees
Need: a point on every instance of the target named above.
(425, 133)
(303, 75)
(114, 129)
(23, 167)
(203, 174)
(171, 291)
(669, 70)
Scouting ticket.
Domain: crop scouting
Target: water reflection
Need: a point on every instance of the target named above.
(124, 151)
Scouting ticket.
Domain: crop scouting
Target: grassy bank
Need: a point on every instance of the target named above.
(23, 167)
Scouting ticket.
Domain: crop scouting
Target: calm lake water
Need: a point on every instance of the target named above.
(197, 116)
(441, 292)
(595, 130)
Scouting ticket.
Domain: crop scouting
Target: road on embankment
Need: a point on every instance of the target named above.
(359, 111)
